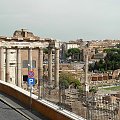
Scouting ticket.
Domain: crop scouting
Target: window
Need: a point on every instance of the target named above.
(12, 63)
(25, 63)
(12, 52)
(11, 79)
(34, 64)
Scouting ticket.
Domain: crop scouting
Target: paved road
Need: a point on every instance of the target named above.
(7, 113)
(11, 109)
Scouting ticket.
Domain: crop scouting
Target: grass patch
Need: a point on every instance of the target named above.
(116, 88)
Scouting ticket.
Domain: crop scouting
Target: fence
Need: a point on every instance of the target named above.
(99, 108)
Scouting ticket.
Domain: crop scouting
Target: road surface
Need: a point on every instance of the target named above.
(11, 109)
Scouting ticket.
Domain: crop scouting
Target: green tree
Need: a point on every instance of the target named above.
(68, 79)
(110, 62)
(72, 52)
(45, 50)
(77, 83)
(96, 50)
(117, 45)
(64, 83)
(93, 90)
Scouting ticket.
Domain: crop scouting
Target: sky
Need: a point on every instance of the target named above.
(62, 19)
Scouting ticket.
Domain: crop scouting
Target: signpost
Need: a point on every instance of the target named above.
(30, 74)
(31, 82)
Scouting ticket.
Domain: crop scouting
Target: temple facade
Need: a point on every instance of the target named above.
(23, 53)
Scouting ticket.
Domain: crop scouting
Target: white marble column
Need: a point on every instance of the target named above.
(7, 71)
(19, 74)
(86, 73)
(29, 59)
(2, 64)
(56, 69)
(40, 70)
(50, 65)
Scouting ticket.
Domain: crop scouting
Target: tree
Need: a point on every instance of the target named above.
(72, 52)
(45, 50)
(91, 67)
(64, 83)
(96, 50)
(93, 90)
(67, 79)
(110, 62)
(76, 83)
(117, 45)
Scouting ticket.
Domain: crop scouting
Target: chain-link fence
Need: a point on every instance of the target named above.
(90, 106)
(102, 108)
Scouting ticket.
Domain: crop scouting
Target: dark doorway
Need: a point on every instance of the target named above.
(25, 77)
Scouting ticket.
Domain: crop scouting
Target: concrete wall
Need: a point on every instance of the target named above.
(43, 108)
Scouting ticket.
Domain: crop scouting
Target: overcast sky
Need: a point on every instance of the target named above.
(62, 19)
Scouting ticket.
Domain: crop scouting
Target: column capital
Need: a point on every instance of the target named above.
(30, 47)
(19, 47)
(50, 47)
(41, 48)
(56, 48)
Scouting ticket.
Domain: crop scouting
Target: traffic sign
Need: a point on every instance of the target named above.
(30, 74)
(31, 81)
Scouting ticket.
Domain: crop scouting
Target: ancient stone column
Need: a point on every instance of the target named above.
(7, 79)
(41, 63)
(19, 74)
(29, 59)
(40, 70)
(86, 73)
(2, 64)
(50, 65)
(56, 69)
